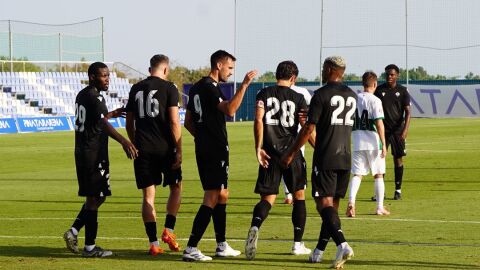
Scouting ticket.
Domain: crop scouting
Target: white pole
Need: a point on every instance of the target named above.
(103, 42)
(60, 50)
(406, 38)
(321, 43)
(235, 50)
(10, 44)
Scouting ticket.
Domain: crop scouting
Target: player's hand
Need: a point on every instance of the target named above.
(178, 160)
(249, 77)
(383, 154)
(130, 149)
(286, 160)
(302, 116)
(404, 135)
(263, 158)
(119, 112)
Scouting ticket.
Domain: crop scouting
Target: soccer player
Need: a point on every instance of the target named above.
(308, 97)
(153, 125)
(369, 147)
(91, 157)
(396, 105)
(331, 113)
(275, 128)
(205, 120)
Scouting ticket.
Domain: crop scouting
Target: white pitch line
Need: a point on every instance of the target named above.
(270, 217)
(241, 240)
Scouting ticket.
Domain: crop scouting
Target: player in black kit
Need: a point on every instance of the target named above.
(205, 120)
(275, 128)
(153, 125)
(331, 113)
(396, 106)
(91, 157)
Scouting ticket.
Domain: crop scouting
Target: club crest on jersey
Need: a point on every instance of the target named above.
(383, 94)
(260, 104)
(397, 94)
(100, 98)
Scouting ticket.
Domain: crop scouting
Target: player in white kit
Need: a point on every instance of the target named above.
(369, 146)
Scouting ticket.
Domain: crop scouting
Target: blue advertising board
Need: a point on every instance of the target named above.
(36, 124)
(7, 125)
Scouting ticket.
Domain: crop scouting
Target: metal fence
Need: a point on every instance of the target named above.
(82, 41)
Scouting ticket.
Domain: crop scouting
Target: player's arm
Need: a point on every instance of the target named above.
(229, 107)
(130, 126)
(407, 122)
(381, 133)
(119, 112)
(188, 123)
(262, 156)
(128, 147)
(177, 134)
(301, 139)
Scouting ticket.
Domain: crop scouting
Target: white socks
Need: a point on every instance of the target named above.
(379, 191)
(354, 187)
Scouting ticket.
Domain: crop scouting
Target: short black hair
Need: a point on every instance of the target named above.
(392, 66)
(285, 70)
(94, 67)
(158, 59)
(369, 78)
(218, 56)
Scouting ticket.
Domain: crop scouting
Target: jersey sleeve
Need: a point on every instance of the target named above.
(260, 100)
(172, 100)
(99, 107)
(131, 100)
(214, 95)
(315, 109)
(406, 98)
(377, 110)
(190, 105)
(302, 103)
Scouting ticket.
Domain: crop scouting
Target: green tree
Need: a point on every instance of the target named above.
(24, 66)
(471, 76)
(268, 76)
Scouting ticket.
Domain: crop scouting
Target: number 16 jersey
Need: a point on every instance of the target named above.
(332, 110)
(280, 121)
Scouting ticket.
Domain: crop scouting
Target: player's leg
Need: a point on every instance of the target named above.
(173, 204)
(398, 152)
(288, 194)
(219, 217)
(260, 213)
(200, 224)
(359, 168)
(92, 204)
(149, 216)
(296, 180)
(71, 235)
(377, 166)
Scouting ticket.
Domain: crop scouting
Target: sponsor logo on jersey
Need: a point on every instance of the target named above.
(260, 104)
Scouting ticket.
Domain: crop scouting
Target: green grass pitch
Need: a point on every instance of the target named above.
(435, 226)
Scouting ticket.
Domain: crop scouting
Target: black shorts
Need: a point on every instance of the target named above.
(149, 168)
(398, 144)
(213, 167)
(330, 183)
(295, 176)
(93, 174)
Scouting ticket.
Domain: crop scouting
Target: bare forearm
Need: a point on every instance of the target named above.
(302, 138)
(258, 134)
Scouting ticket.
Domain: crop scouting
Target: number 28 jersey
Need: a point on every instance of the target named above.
(90, 108)
(149, 100)
(280, 121)
(332, 110)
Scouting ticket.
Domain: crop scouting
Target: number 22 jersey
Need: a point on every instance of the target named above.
(332, 110)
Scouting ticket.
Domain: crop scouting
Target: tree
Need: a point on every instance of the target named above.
(471, 76)
(24, 66)
(268, 76)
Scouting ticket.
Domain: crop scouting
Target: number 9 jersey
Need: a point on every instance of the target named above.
(332, 110)
(280, 120)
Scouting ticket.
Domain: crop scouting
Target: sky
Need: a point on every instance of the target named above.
(369, 33)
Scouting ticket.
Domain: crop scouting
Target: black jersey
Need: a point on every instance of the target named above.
(149, 100)
(209, 121)
(90, 108)
(280, 121)
(332, 110)
(394, 101)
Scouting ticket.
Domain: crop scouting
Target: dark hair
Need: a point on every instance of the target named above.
(94, 67)
(392, 66)
(218, 56)
(158, 59)
(369, 78)
(285, 70)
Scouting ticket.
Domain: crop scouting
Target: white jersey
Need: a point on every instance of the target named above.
(306, 94)
(364, 134)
